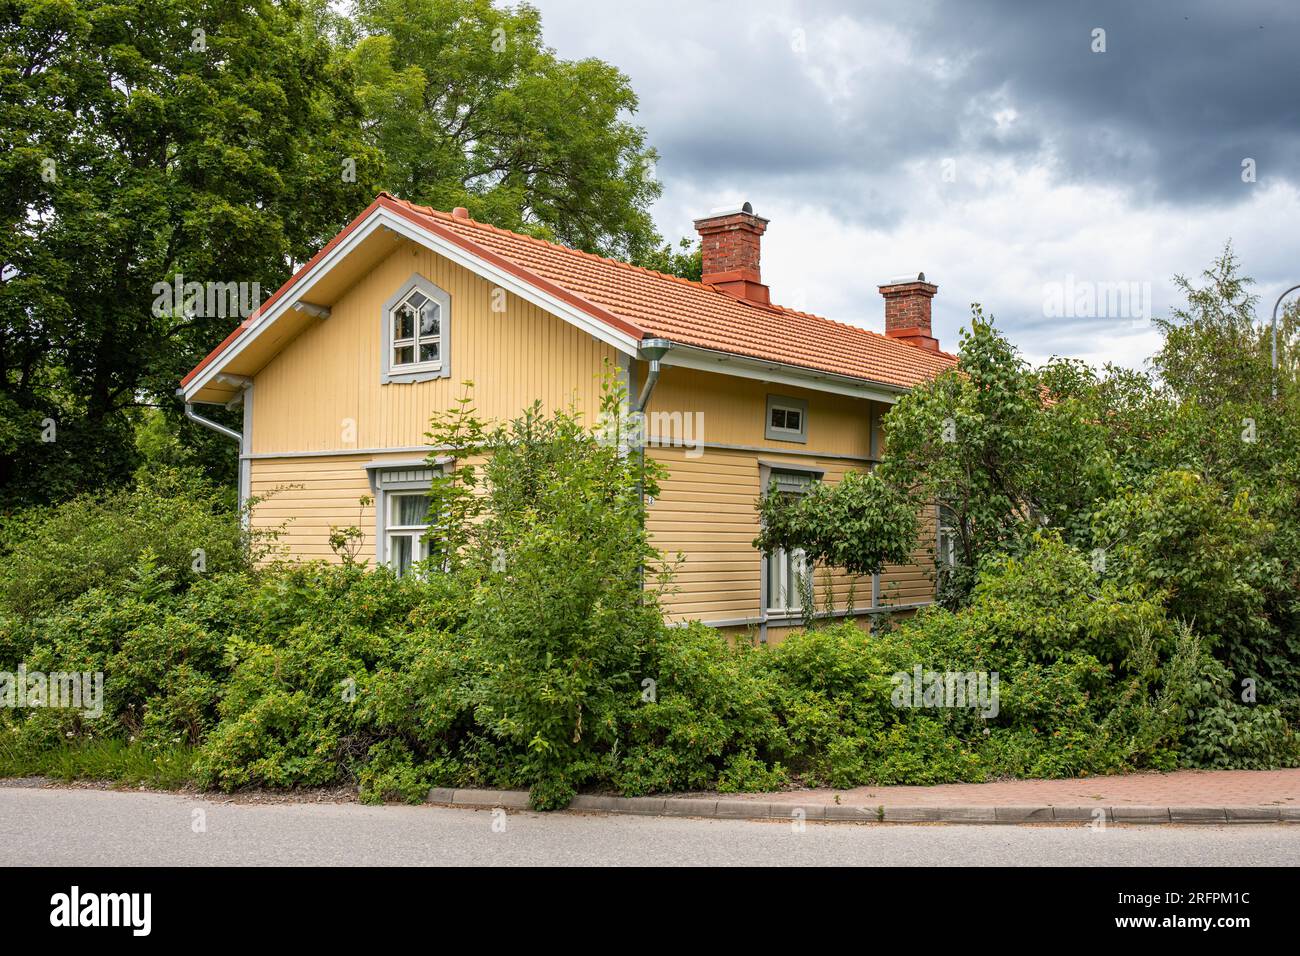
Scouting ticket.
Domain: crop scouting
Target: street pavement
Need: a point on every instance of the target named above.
(54, 826)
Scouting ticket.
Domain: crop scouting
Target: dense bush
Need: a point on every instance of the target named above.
(1144, 618)
(51, 556)
(312, 675)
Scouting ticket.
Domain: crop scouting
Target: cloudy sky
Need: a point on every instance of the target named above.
(988, 144)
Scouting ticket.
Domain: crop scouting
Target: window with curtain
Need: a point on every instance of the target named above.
(408, 520)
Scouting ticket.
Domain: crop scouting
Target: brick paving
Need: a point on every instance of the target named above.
(1185, 788)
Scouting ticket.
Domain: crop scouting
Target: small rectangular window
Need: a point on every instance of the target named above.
(787, 419)
(948, 537)
(787, 579)
(408, 520)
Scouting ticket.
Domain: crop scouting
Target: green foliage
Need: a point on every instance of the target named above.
(557, 614)
(138, 149)
(1225, 733)
(981, 442)
(1179, 534)
(454, 503)
(181, 140)
(55, 555)
(289, 714)
(702, 718)
(685, 262)
(859, 524)
(469, 107)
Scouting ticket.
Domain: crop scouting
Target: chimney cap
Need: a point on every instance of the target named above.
(460, 212)
(722, 212)
(904, 280)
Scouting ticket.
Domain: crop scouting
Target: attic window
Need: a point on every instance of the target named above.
(787, 419)
(415, 332)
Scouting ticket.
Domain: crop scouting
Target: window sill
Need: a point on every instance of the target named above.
(408, 374)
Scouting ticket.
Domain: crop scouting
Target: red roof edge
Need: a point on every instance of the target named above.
(248, 323)
(386, 201)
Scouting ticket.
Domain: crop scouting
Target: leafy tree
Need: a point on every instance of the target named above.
(859, 524)
(468, 107)
(558, 620)
(140, 141)
(1214, 351)
(985, 443)
(1210, 413)
(685, 261)
(1211, 559)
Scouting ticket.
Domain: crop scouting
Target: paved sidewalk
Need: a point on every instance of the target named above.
(1185, 788)
(1205, 797)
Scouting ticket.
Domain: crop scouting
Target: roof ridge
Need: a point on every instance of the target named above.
(622, 264)
(771, 308)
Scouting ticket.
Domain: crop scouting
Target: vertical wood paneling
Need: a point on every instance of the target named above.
(330, 373)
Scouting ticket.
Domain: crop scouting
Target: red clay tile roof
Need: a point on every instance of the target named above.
(692, 313)
(664, 306)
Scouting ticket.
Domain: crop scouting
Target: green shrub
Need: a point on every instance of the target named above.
(56, 555)
(701, 719)
(289, 715)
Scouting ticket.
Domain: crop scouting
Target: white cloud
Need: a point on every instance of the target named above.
(841, 145)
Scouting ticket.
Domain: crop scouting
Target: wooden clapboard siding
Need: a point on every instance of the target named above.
(913, 583)
(706, 512)
(323, 393)
(320, 414)
(732, 411)
(306, 497)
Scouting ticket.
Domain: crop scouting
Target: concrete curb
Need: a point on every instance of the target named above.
(764, 810)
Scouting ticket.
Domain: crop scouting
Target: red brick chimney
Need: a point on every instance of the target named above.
(907, 311)
(730, 243)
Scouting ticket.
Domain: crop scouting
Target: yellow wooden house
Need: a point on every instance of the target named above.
(340, 370)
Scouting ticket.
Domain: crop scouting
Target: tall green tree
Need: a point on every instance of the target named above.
(981, 442)
(139, 140)
(469, 107)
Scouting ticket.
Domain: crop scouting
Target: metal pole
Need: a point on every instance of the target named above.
(1275, 305)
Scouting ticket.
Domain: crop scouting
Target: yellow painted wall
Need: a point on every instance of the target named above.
(304, 497)
(705, 513)
(323, 393)
(732, 411)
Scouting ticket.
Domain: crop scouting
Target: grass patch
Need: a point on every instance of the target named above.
(117, 761)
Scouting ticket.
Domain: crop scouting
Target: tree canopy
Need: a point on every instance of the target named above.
(183, 141)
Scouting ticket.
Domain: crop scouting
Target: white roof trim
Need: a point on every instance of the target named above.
(386, 218)
(743, 366)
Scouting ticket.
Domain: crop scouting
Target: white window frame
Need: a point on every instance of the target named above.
(391, 479)
(781, 433)
(782, 595)
(946, 539)
(416, 371)
(414, 533)
(786, 572)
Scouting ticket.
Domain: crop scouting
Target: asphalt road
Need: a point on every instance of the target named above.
(91, 827)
